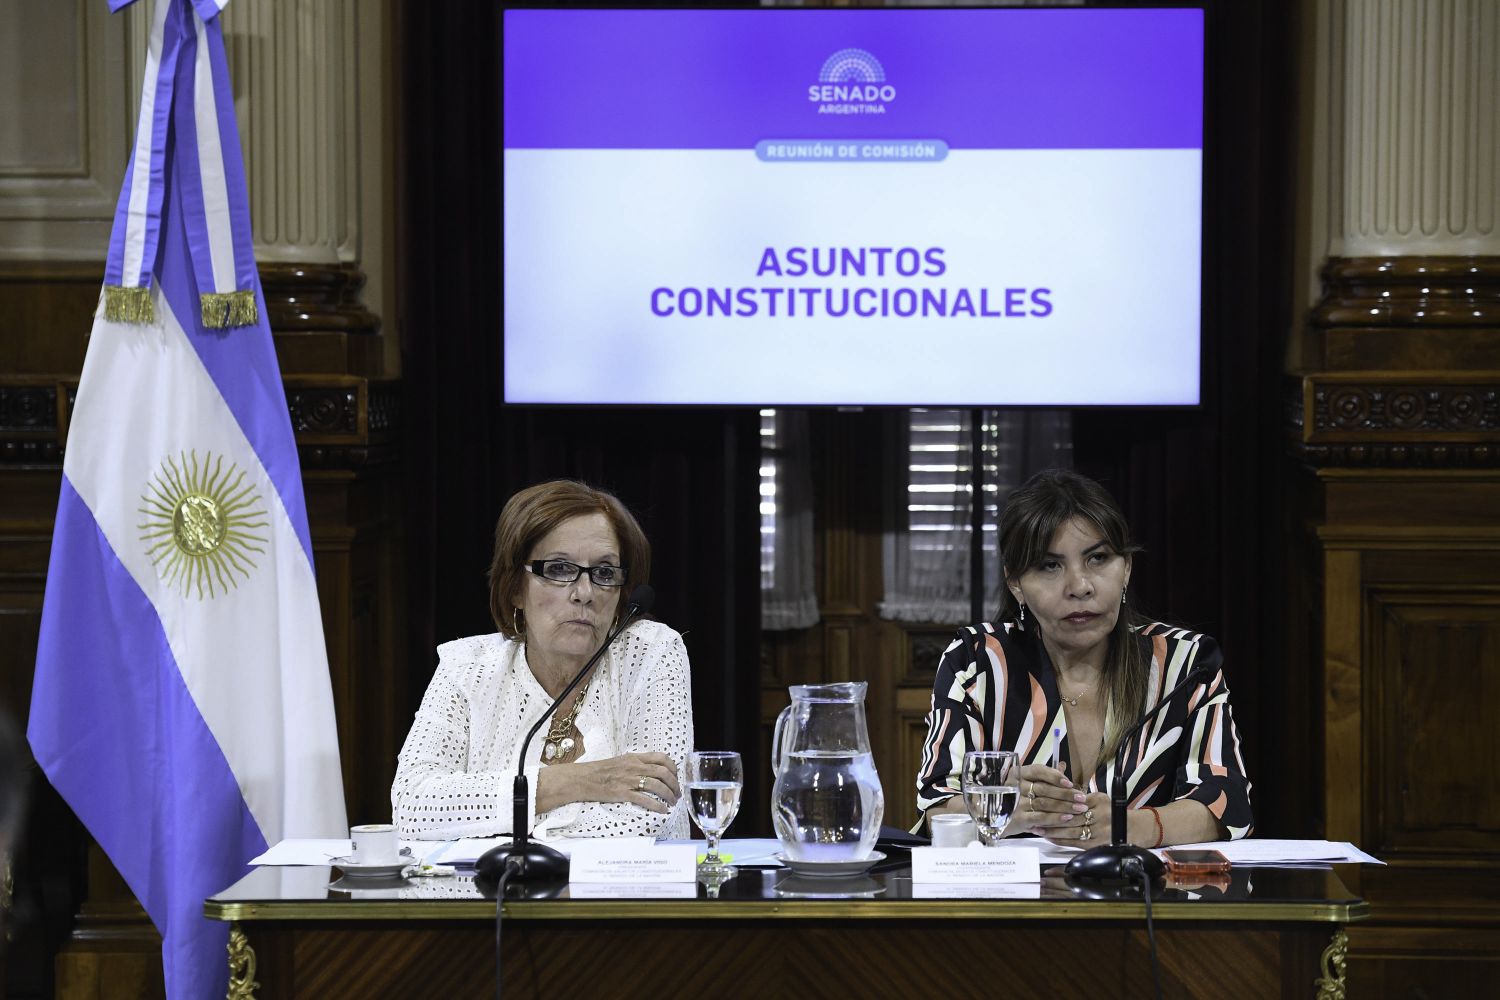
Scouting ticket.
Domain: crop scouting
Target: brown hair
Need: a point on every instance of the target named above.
(1033, 513)
(530, 514)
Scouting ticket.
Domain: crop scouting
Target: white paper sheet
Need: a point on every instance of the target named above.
(1054, 854)
(464, 853)
(763, 851)
(753, 851)
(1257, 851)
(303, 851)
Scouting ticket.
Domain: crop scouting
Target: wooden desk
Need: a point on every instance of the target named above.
(769, 934)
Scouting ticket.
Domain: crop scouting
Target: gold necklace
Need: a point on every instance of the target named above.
(1073, 701)
(559, 742)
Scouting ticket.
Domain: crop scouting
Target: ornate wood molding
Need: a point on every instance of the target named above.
(1409, 291)
(1407, 367)
(1398, 405)
(318, 319)
(1399, 456)
(1410, 420)
(304, 298)
(28, 424)
(339, 420)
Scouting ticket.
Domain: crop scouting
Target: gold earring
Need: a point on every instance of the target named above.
(1023, 616)
(515, 623)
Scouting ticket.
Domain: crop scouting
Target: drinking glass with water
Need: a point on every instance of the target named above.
(714, 781)
(991, 783)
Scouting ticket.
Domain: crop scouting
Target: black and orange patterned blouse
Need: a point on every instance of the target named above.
(997, 690)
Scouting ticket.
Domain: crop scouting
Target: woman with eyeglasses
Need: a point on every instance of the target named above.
(610, 761)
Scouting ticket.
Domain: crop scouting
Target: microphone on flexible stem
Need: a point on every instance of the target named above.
(529, 860)
(1119, 863)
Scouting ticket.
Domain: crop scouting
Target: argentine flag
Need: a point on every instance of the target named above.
(182, 703)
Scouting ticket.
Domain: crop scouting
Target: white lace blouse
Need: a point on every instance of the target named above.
(454, 775)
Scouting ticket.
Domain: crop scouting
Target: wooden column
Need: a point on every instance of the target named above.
(1395, 423)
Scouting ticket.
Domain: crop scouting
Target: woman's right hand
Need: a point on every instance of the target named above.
(648, 780)
(1047, 799)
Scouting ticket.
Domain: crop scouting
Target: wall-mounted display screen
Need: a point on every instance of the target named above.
(857, 207)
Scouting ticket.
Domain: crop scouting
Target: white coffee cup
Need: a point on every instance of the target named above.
(951, 830)
(374, 844)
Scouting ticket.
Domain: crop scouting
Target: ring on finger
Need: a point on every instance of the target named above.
(1087, 832)
(640, 786)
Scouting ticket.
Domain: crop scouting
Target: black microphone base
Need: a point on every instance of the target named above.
(532, 862)
(1115, 864)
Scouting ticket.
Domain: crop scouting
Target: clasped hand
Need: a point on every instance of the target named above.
(645, 779)
(1052, 807)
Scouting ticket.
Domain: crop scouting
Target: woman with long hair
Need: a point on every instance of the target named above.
(1067, 667)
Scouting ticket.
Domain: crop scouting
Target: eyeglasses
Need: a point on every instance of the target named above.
(562, 571)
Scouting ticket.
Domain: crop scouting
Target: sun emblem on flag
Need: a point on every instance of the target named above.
(201, 524)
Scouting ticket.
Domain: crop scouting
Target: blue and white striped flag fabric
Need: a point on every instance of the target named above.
(182, 703)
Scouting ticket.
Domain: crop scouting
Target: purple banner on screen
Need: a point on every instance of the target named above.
(975, 79)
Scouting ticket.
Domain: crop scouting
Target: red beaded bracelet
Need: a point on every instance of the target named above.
(1161, 834)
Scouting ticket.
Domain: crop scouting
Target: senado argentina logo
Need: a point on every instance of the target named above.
(851, 82)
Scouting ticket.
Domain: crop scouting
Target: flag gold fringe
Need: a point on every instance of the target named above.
(226, 309)
(128, 305)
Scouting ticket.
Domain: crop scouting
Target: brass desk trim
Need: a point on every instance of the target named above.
(931, 909)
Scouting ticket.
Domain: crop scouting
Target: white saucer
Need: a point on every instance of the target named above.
(831, 869)
(352, 870)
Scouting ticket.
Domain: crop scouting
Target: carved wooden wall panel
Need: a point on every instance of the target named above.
(1343, 762)
(759, 958)
(1396, 424)
(1435, 673)
(912, 705)
(1429, 962)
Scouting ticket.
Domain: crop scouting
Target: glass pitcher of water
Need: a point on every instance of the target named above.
(827, 803)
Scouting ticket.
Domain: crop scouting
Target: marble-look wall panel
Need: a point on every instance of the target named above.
(64, 126)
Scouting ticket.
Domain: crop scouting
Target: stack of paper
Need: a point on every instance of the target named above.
(302, 851)
(1285, 853)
